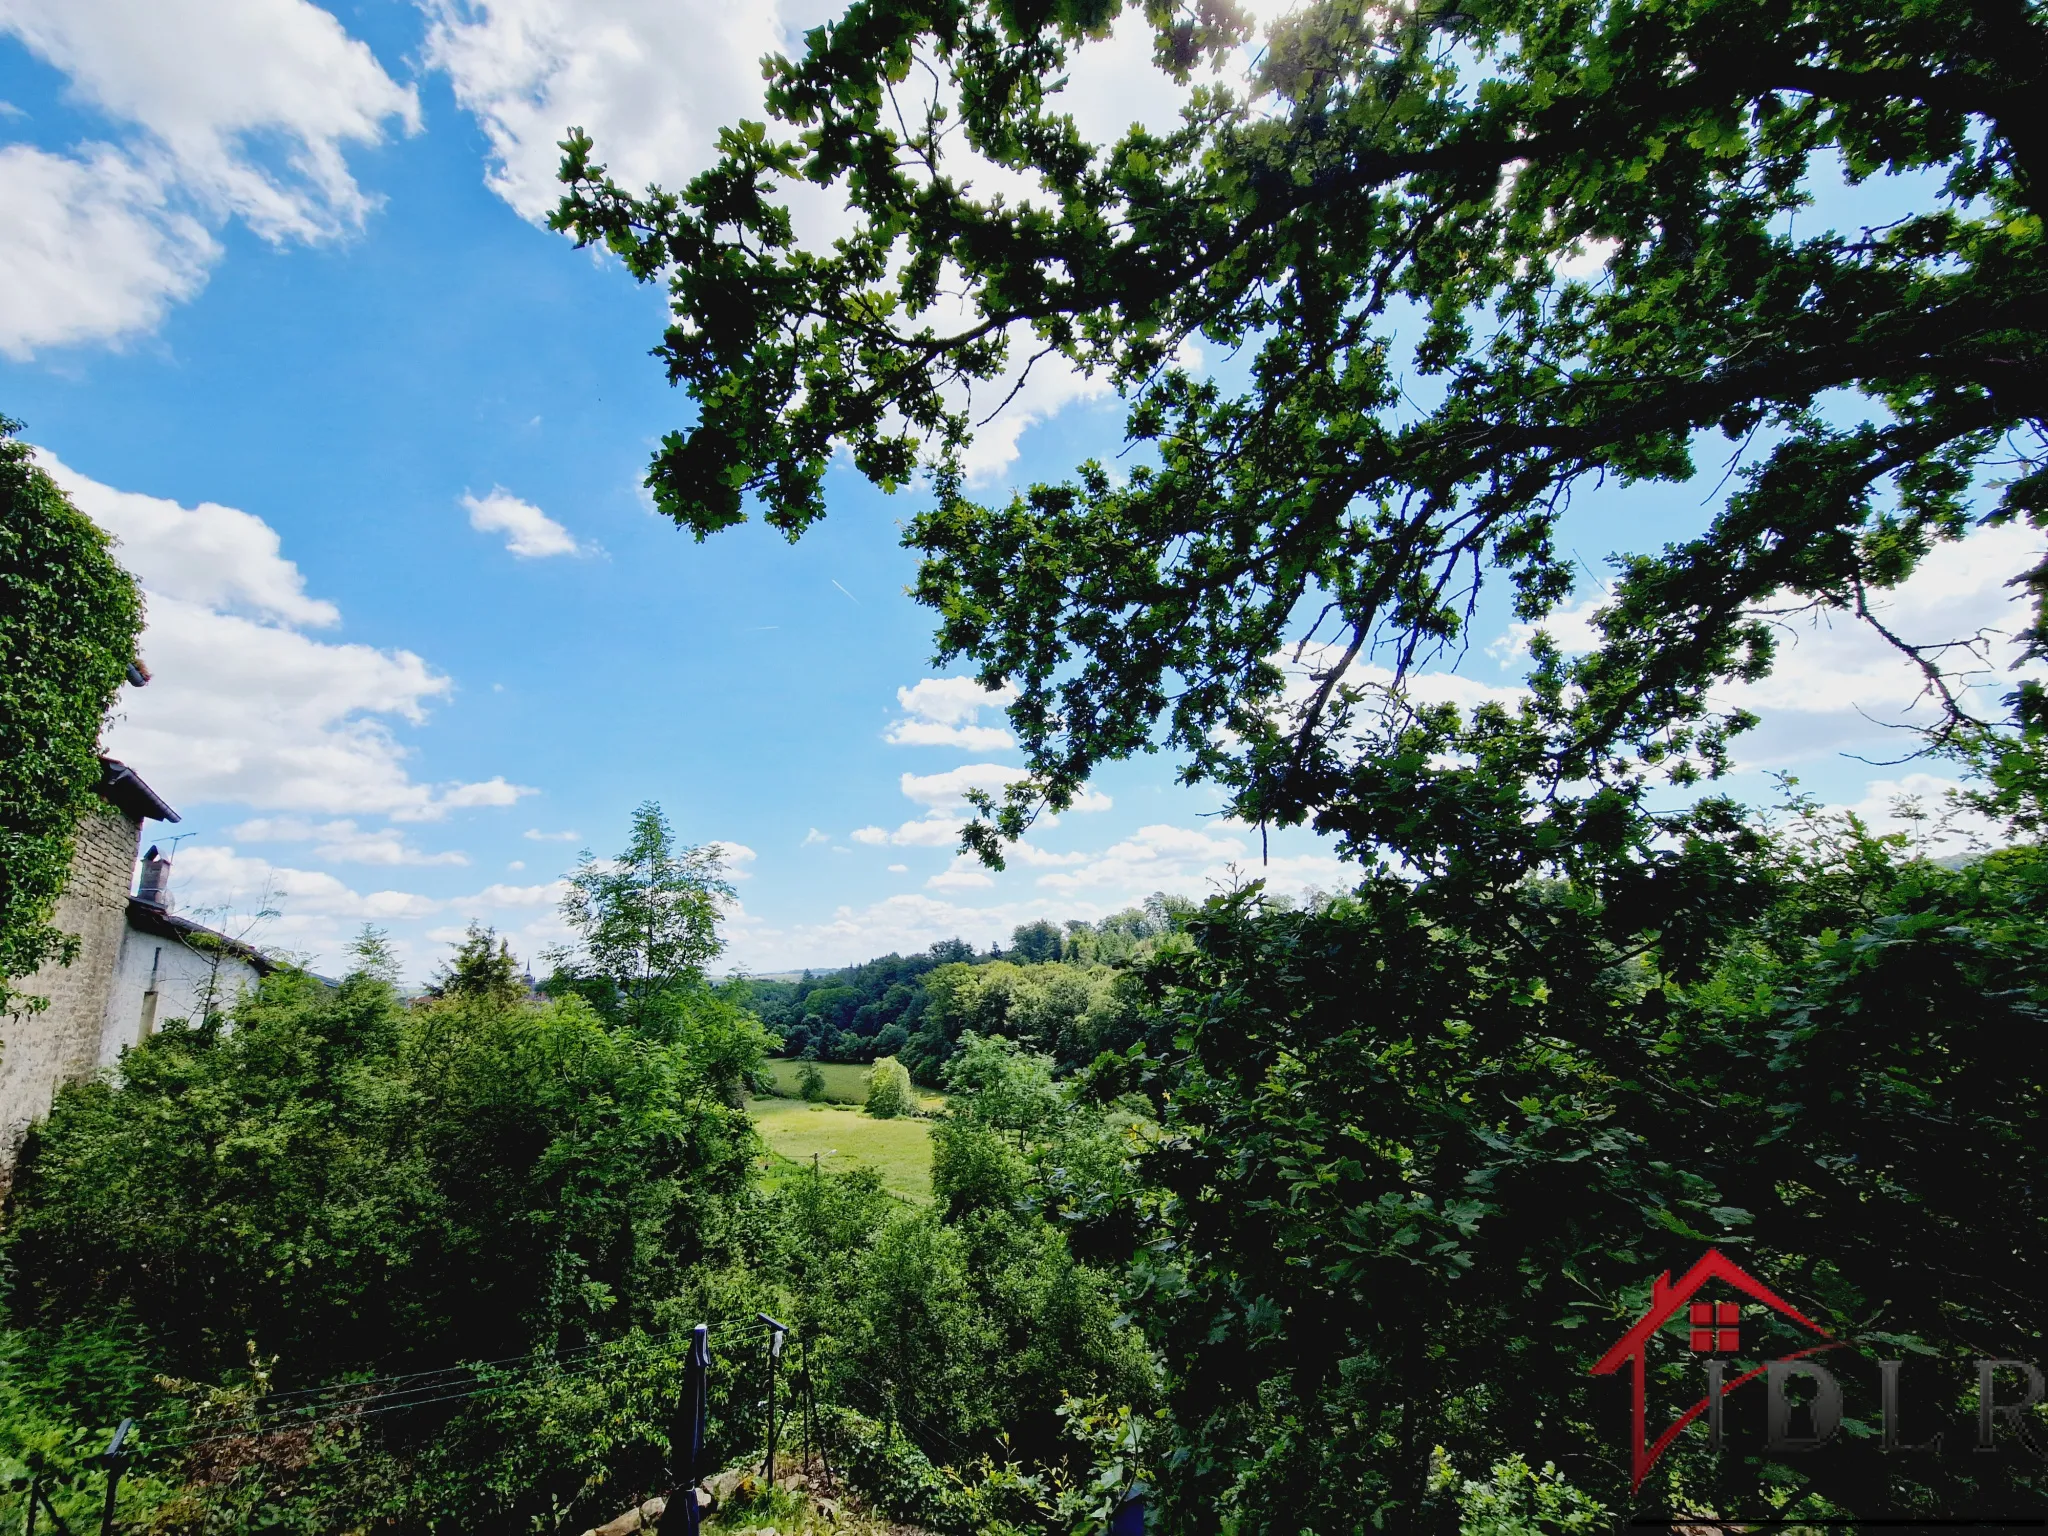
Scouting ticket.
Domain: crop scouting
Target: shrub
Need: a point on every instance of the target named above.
(889, 1090)
(810, 1083)
(352, 1182)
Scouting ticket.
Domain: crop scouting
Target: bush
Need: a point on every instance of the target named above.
(901, 1481)
(350, 1182)
(889, 1090)
(810, 1083)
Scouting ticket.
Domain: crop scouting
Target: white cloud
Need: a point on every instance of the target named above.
(1918, 803)
(243, 707)
(951, 787)
(1029, 390)
(815, 836)
(1171, 859)
(941, 829)
(905, 923)
(318, 912)
(494, 895)
(737, 857)
(1034, 857)
(1158, 857)
(899, 869)
(944, 711)
(651, 80)
(231, 109)
(529, 532)
(535, 835)
(89, 250)
(963, 874)
(971, 738)
(344, 842)
(871, 836)
(313, 903)
(214, 556)
(490, 792)
(1838, 686)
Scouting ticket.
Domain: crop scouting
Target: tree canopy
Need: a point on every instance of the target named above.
(648, 918)
(1463, 261)
(1394, 222)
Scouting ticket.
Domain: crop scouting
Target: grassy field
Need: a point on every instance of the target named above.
(845, 1083)
(842, 1138)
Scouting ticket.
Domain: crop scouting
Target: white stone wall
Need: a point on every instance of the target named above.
(178, 974)
(40, 1050)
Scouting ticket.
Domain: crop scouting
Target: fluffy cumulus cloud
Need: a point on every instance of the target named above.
(529, 532)
(652, 81)
(951, 788)
(963, 874)
(215, 110)
(219, 558)
(946, 711)
(1839, 686)
(344, 842)
(90, 249)
(312, 913)
(245, 707)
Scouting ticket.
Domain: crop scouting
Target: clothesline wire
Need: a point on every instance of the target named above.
(567, 1364)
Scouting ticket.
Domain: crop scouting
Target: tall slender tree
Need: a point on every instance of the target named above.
(648, 918)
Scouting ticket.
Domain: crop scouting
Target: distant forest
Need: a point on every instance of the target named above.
(1069, 991)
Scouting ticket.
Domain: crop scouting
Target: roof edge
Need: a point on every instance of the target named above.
(123, 787)
(151, 918)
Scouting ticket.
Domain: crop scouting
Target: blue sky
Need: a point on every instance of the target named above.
(275, 303)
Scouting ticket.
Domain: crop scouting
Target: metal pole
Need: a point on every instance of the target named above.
(115, 1460)
(811, 1406)
(777, 1333)
(696, 1372)
(803, 1406)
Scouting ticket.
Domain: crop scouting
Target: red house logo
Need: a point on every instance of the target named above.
(1716, 1328)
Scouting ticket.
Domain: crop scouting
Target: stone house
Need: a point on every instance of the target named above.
(138, 963)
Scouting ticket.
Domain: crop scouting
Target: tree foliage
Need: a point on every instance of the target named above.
(889, 1090)
(648, 918)
(1389, 220)
(1418, 1178)
(482, 966)
(351, 1183)
(1471, 260)
(810, 1083)
(69, 618)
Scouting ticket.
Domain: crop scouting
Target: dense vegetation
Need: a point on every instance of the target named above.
(1311, 1218)
(1065, 990)
(1580, 1018)
(334, 1186)
(69, 617)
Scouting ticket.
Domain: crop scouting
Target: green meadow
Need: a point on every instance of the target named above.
(842, 1137)
(845, 1082)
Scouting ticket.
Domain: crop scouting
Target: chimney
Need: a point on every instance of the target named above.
(156, 880)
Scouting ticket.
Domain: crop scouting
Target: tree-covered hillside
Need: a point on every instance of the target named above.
(1061, 990)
